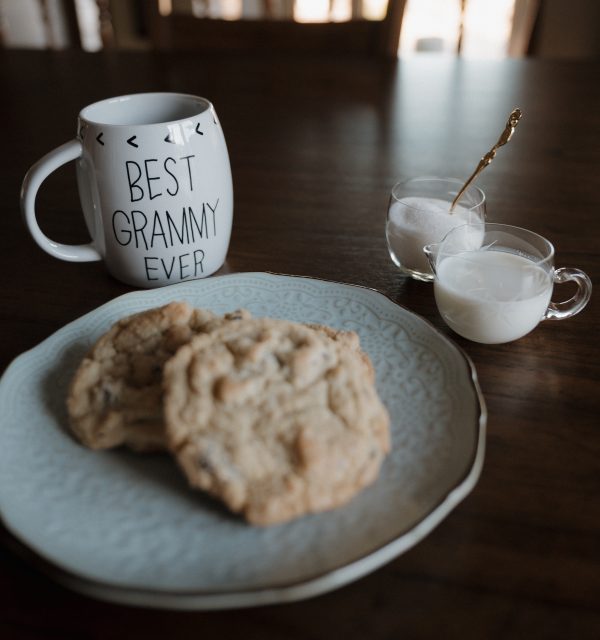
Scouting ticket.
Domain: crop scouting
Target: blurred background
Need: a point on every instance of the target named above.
(469, 28)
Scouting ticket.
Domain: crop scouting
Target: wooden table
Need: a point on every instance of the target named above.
(315, 147)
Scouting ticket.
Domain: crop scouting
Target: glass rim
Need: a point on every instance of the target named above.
(510, 229)
(433, 179)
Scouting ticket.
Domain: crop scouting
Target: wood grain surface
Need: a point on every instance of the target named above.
(315, 147)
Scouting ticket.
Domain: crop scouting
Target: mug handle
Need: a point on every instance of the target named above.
(33, 179)
(562, 310)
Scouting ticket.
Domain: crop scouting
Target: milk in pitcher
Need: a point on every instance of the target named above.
(492, 296)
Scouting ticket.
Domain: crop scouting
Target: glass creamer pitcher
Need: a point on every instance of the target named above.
(493, 283)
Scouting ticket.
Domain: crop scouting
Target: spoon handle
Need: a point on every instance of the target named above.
(505, 136)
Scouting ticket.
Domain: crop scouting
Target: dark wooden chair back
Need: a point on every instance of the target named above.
(179, 31)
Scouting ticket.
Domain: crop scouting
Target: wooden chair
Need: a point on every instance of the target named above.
(525, 18)
(178, 31)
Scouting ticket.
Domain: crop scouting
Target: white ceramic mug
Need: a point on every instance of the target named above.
(155, 188)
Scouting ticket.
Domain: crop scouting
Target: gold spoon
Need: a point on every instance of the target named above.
(513, 121)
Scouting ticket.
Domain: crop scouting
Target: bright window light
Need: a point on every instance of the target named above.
(430, 25)
(433, 26)
(487, 28)
(336, 10)
(89, 26)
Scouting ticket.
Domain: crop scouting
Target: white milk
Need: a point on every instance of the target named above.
(491, 296)
(414, 222)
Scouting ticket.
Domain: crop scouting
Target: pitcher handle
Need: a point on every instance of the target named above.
(568, 308)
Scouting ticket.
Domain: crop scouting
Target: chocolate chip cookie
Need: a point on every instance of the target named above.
(275, 418)
(115, 397)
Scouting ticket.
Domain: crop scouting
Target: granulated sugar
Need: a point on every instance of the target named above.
(414, 222)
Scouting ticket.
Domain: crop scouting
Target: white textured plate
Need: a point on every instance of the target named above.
(126, 528)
